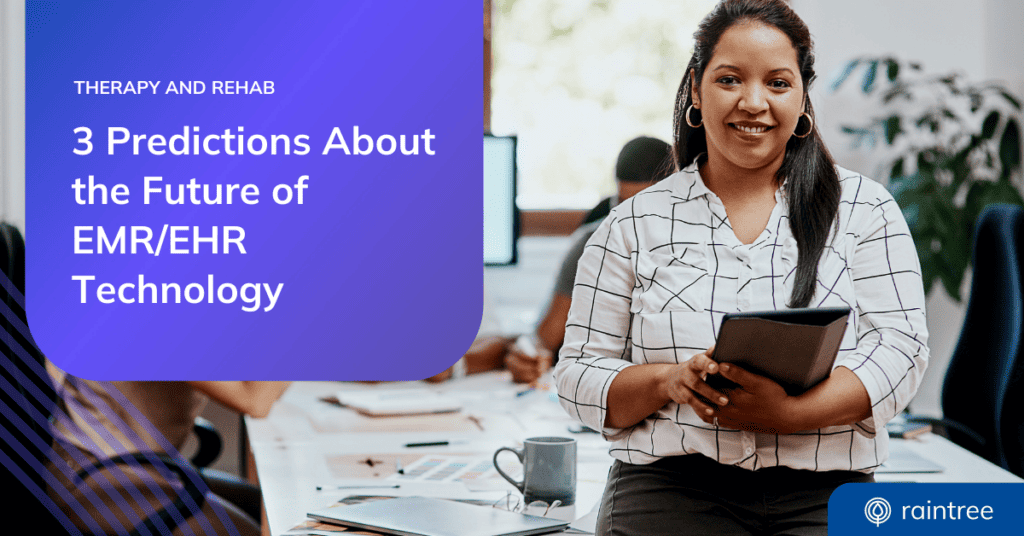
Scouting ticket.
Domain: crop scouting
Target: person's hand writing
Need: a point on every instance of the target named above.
(684, 383)
(759, 404)
(527, 367)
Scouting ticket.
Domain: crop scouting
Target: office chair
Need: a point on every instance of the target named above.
(28, 403)
(983, 392)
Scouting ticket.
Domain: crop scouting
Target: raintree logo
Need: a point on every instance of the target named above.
(877, 511)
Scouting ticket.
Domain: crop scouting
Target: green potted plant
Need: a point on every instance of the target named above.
(952, 147)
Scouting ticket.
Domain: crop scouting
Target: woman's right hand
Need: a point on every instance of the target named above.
(684, 384)
(640, 390)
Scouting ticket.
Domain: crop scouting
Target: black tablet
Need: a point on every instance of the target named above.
(795, 347)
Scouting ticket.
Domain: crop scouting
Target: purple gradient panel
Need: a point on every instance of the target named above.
(381, 264)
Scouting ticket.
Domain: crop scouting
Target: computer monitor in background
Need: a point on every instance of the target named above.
(501, 217)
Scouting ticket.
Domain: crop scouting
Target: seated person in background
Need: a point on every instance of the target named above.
(487, 352)
(642, 162)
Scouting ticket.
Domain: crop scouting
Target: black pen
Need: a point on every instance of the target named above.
(434, 444)
(321, 488)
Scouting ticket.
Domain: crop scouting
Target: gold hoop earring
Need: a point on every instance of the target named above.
(810, 125)
(687, 118)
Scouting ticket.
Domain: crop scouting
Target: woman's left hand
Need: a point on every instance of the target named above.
(757, 405)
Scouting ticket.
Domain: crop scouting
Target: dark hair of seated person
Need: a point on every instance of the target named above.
(642, 160)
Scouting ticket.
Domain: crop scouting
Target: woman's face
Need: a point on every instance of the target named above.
(750, 97)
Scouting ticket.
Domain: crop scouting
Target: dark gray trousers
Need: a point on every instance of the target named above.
(697, 495)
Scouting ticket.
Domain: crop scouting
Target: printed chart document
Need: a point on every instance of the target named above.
(436, 468)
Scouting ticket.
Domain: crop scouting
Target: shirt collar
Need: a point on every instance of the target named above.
(689, 184)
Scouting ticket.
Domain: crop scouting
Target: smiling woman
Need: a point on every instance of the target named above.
(750, 98)
(750, 101)
(757, 217)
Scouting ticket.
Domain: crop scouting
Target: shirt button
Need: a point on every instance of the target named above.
(749, 451)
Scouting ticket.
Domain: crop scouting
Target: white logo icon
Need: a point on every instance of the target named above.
(877, 510)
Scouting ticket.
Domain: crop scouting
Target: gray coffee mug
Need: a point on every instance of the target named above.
(549, 469)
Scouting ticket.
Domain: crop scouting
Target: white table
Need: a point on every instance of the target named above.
(305, 443)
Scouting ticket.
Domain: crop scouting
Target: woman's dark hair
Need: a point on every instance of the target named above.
(811, 181)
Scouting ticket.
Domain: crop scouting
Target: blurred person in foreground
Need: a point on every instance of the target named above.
(125, 434)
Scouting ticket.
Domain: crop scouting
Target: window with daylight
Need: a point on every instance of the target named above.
(576, 79)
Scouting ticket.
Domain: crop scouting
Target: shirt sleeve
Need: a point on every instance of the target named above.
(597, 333)
(567, 273)
(892, 350)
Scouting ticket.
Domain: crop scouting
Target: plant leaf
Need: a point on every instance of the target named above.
(945, 221)
(869, 77)
(988, 128)
(975, 101)
(1006, 192)
(910, 213)
(984, 193)
(893, 70)
(959, 167)
(1010, 97)
(897, 169)
(926, 162)
(976, 197)
(1009, 146)
(902, 190)
(951, 277)
(950, 82)
(845, 73)
(928, 274)
(897, 89)
(892, 128)
(860, 135)
(928, 120)
(953, 254)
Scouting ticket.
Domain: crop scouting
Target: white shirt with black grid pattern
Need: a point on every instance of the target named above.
(663, 268)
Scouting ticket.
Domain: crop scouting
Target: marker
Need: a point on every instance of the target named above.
(525, 343)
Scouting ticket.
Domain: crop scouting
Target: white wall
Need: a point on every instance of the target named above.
(12, 112)
(983, 39)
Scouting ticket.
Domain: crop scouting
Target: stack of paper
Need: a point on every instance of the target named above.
(384, 402)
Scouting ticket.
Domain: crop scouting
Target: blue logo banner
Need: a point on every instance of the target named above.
(925, 508)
